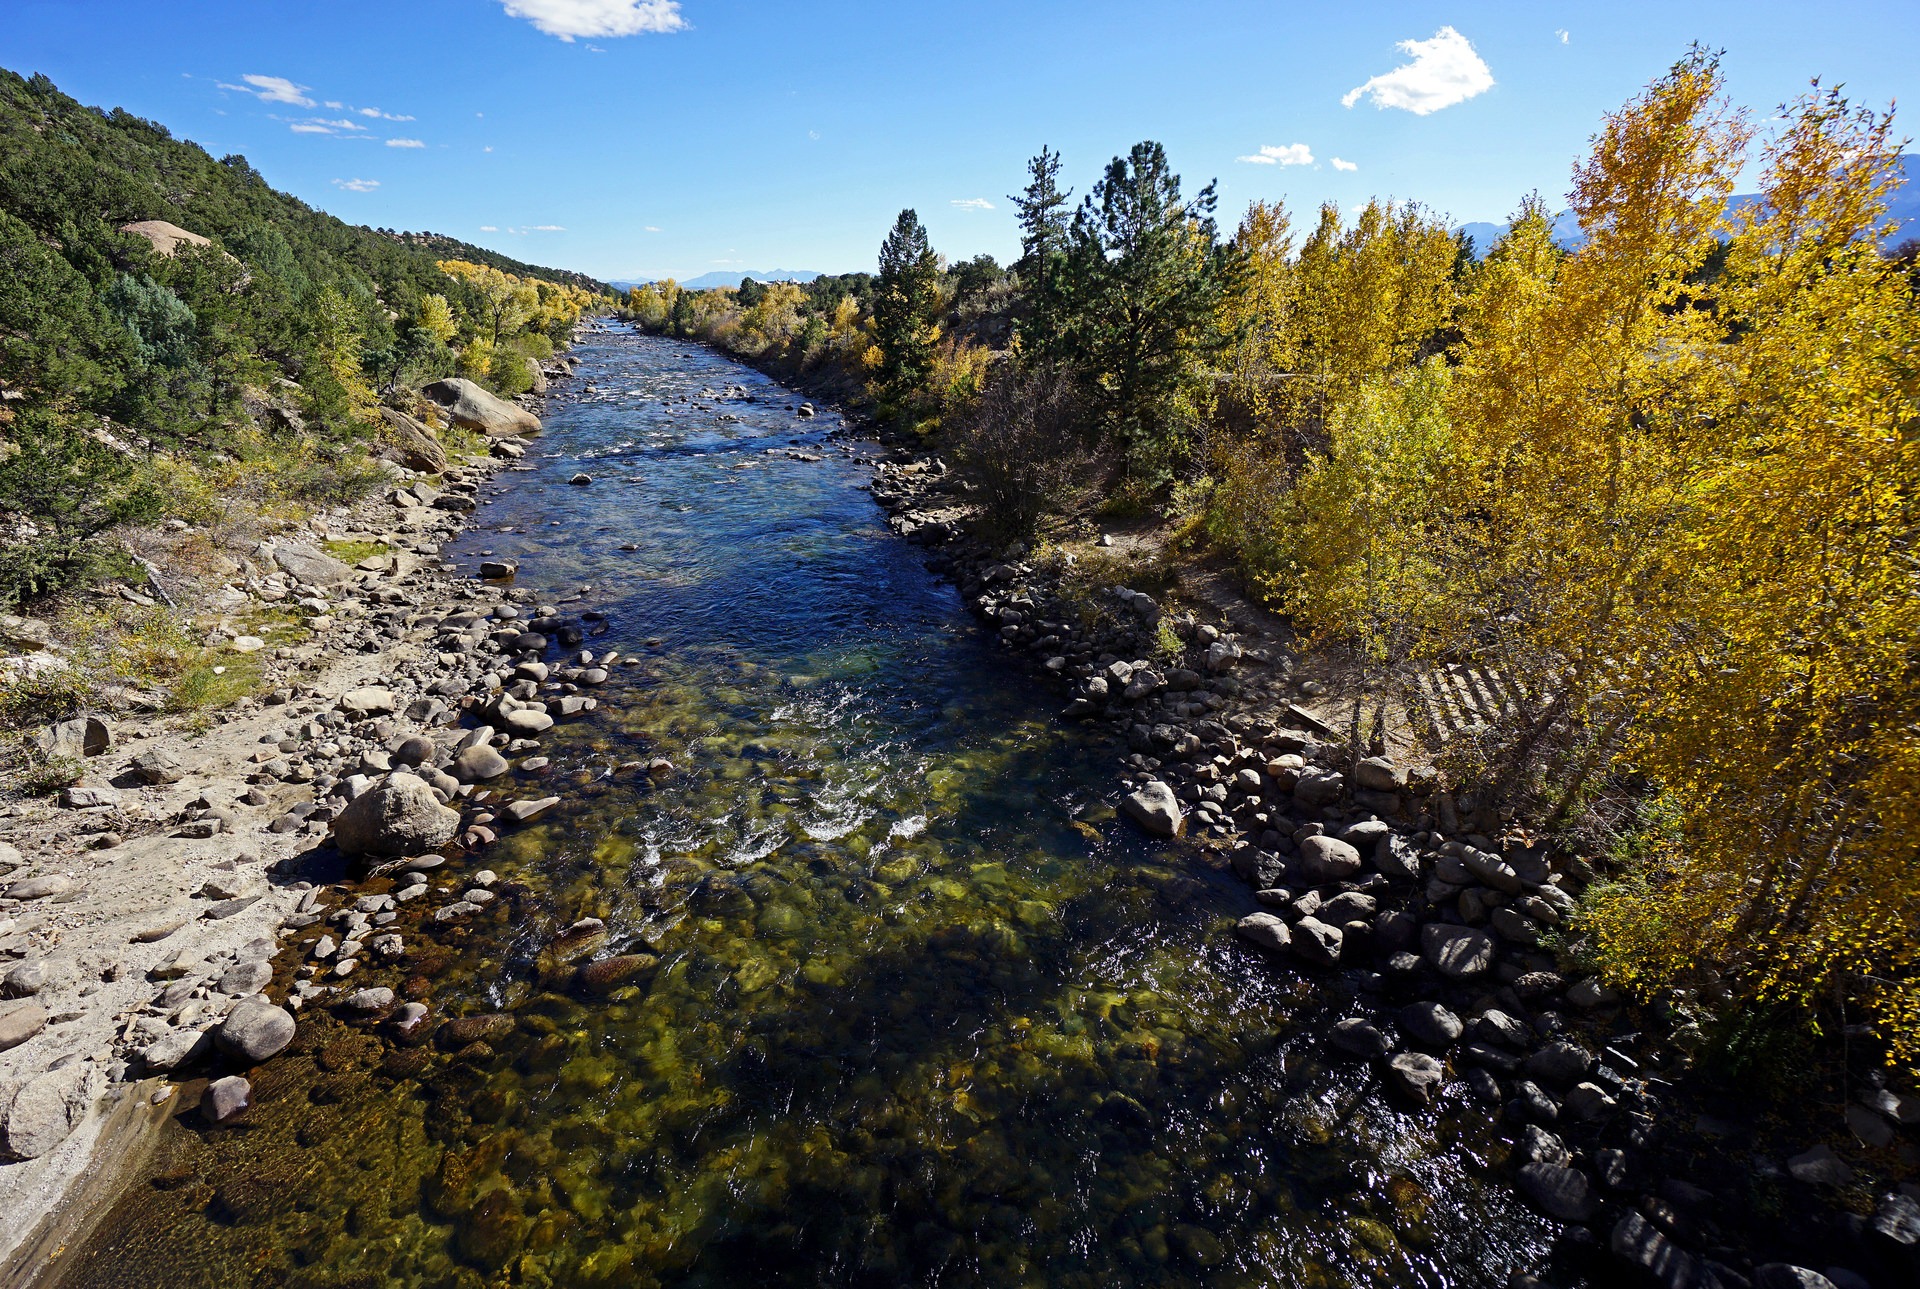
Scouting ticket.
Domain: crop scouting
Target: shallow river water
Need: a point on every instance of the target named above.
(924, 1011)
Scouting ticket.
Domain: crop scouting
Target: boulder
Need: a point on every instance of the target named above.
(1458, 952)
(398, 815)
(306, 564)
(1316, 941)
(1155, 809)
(83, 736)
(255, 1029)
(1376, 774)
(466, 404)
(1640, 1244)
(46, 1108)
(1327, 859)
(411, 443)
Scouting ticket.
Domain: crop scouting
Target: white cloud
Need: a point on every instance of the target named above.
(569, 18)
(971, 203)
(1339, 164)
(376, 113)
(356, 185)
(405, 143)
(653, 228)
(488, 148)
(489, 228)
(1444, 71)
(549, 228)
(272, 89)
(334, 104)
(309, 127)
(1294, 154)
(1562, 33)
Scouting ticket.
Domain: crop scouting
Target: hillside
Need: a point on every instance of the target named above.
(164, 314)
(708, 281)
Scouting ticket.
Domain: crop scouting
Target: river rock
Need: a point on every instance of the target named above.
(1564, 1193)
(1559, 1063)
(498, 568)
(20, 1022)
(1316, 788)
(176, 1048)
(46, 1109)
(306, 564)
(1265, 930)
(225, 1098)
(1416, 1076)
(158, 766)
(1640, 1244)
(83, 736)
(39, 888)
(370, 700)
(1456, 951)
(466, 404)
(610, 973)
(255, 1030)
(522, 811)
(245, 977)
(1780, 1275)
(484, 1028)
(1376, 774)
(1155, 809)
(479, 763)
(1431, 1025)
(398, 815)
(1359, 1038)
(1327, 859)
(367, 1001)
(1317, 942)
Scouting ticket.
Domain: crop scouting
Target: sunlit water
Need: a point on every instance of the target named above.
(924, 1011)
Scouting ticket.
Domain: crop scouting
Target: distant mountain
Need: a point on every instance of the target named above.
(1903, 208)
(707, 281)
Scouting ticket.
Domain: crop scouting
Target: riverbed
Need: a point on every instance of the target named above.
(901, 1001)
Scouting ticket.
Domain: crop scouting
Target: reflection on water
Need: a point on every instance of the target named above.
(886, 995)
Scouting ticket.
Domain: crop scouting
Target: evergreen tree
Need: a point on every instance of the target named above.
(907, 294)
(1146, 277)
(1042, 266)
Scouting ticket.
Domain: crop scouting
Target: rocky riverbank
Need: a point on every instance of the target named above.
(148, 913)
(1440, 918)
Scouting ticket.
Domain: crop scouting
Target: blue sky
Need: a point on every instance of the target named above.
(645, 137)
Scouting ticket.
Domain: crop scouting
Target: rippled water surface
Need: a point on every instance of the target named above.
(922, 1011)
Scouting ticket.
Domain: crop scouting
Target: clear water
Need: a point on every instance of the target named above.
(923, 1011)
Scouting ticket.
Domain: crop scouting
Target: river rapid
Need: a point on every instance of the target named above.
(922, 1010)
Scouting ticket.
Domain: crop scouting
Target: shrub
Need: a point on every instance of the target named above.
(1015, 444)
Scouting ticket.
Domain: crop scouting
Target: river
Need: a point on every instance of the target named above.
(924, 1011)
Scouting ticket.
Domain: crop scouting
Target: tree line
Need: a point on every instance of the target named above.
(1663, 485)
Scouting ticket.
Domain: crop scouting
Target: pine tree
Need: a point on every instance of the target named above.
(1042, 266)
(905, 298)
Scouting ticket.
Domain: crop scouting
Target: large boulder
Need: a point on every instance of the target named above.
(411, 443)
(1155, 809)
(466, 404)
(399, 815)
(306, 564)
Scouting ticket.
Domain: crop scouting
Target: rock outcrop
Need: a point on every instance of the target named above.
(466, 404)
